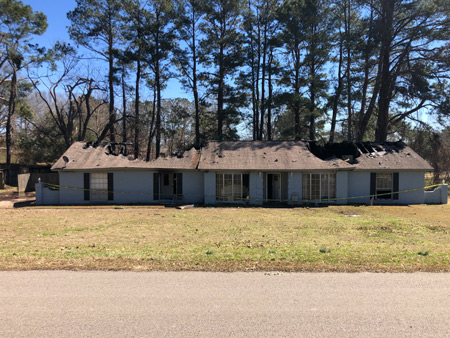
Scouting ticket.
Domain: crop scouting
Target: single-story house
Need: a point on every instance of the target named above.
(245, 172)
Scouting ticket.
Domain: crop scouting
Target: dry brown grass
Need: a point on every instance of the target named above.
(387, 238)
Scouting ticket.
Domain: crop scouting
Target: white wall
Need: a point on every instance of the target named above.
(46, 196)
(193, 187)
(438, 196)
(411, 180)
(71, 180)
(358, 185)
(209, 185)
(256, 188)
(133, 187)
(200, 187)
(295, 187)
(342, 187)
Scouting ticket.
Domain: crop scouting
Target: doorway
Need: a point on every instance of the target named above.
(167, 186)
(274, 187)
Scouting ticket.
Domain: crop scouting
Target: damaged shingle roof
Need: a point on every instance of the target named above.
(256, 155)
(264, 155)
(81, 157)
(389, 155)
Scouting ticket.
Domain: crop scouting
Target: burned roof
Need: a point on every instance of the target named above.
(254, 155)
(372, 155)
(390, 156)
(265, 155)
(82, 156)
(306, 155)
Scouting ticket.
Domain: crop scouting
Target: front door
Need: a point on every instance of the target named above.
(273, 187)
(168, 186)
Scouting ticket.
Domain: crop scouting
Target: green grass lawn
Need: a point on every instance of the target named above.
(337, 238)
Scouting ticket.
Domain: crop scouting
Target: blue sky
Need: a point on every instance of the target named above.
(56, 12)
(56, 18)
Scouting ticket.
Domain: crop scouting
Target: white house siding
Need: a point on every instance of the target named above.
(46, 196)
(133, 186)
(256, 188)
(70, 195)
(358, 185)
(342, 187)
(295, 187)
(200, 187)
(193, 187)
(411, 180)
(209, 179)
(437, 196)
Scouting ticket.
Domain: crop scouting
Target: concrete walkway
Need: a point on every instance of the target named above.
(195, 304)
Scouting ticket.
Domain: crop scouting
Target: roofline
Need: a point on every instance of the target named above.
(121, 169)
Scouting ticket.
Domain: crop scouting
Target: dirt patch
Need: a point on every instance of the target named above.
(10, 198)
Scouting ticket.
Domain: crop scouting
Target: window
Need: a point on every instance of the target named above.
(99, 186)
(383, 186)
(232, 187)
(319, 187)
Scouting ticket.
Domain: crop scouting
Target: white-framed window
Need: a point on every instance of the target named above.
(384, 186)
(99, 186)
(319, 186)
(232, 187)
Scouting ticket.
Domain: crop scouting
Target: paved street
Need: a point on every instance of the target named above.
(108, 304)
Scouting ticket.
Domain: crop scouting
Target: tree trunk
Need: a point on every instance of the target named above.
(158, 111)
(252, 70)
(297, 94)
(269, 105)
(112, 118)
(365, 118)
(11, 111)
(337, 93)
(312, 104)
(263, 84)
(257, 72)
(362, 125)
(194, 88)
(136, 108)
(124, 104)
(220, 116)
(348, 73)
(151, 131)
(385, 85)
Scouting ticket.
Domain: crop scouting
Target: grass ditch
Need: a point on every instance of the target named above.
(335, 238)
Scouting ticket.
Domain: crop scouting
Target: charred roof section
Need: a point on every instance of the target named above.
(111, 148)
(350, 152)
(104, 156)
(346, 151)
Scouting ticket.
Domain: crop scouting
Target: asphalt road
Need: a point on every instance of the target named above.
(180, 304)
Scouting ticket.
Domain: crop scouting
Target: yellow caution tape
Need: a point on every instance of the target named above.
(56, 187)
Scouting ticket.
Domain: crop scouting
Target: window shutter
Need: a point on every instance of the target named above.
(155, 186)
(179, 186)
(110, 187)
(395, 186)
(373, 183)
(86, 186)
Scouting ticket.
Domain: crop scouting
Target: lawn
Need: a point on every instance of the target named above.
(335, 238)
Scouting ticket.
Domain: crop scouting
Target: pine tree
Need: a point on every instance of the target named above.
(18, 23)
(96, 26)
